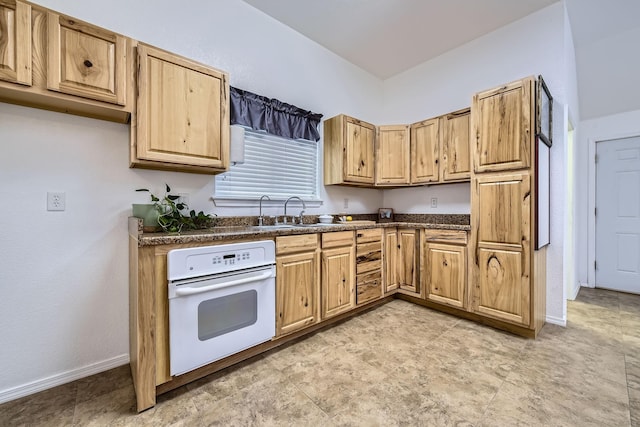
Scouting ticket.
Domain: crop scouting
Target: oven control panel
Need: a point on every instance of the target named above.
(206, 260)
(232, 258)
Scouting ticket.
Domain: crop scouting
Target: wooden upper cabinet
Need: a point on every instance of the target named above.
(502, 123)
(425, 149)
(455, 146)
(15, 42)
(85, 60)
(182, 112)
(359, 155)
(349, 156)
(392, 155)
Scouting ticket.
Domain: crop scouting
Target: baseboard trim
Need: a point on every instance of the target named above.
(556, 320)
(575, 292)
(62, 378)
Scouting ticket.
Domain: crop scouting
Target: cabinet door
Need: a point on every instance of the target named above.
(338, 281)
(15, 42)
(502, 125)
(446, 274)
(359, 152)
(502, 234)
(86, 61)
(296, 292)
(407, 272)
(456, 162)
(425, 149)
(390, 260)
(392, 155)
(183, 115)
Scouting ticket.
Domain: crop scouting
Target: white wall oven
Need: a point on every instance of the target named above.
(221, 301)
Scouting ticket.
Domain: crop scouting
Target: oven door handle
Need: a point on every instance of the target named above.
(198, 290)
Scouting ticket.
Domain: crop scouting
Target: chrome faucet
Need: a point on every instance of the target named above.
(260, 217)
(285, 209)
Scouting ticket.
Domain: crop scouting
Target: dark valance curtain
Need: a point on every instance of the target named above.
(276, 117)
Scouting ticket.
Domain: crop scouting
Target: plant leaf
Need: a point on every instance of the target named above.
(172, 197)
(168, 188)
(143, 189)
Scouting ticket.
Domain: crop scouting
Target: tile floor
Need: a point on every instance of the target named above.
(399, 364)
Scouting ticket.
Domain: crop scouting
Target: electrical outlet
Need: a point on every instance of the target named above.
(56, 201)
(346, 203)
(434, 202)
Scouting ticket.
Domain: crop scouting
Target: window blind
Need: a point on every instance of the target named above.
(275, 166)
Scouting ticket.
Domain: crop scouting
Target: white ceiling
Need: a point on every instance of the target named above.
(387, 37)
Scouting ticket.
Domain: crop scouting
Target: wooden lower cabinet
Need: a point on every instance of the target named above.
(502, 259)
(295, 292)
(390, 260)
(368, 265)
(400, 260)
(338, 273)
(444, 267)
(407, 257)
(296, 283)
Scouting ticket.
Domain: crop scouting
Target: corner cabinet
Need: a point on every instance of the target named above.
(400, 254)
(15, 42)
(349, 152)
(297, 290)
(182, 117)
(85, 60)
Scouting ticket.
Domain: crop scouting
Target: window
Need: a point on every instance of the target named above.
(276, 166)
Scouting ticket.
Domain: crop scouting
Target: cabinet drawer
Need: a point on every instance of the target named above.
(368, 257)
(456, 237)
(292, 244)
(369, 235)
(337, 239)
(368, 287)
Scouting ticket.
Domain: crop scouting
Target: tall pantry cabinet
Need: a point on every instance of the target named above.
(507, 276)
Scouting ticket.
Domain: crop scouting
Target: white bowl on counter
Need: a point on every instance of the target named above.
(325, 219)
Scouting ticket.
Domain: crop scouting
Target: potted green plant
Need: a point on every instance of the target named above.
(169, 212)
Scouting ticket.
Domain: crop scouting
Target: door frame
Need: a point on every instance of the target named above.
(591, 202)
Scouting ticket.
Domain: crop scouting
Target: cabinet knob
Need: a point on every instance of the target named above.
(88, 63)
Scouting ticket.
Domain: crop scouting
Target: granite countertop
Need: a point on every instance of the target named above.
(230, 232)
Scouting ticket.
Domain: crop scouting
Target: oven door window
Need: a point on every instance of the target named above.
(226, 314)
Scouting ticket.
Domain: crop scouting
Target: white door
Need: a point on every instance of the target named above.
(618, 214)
